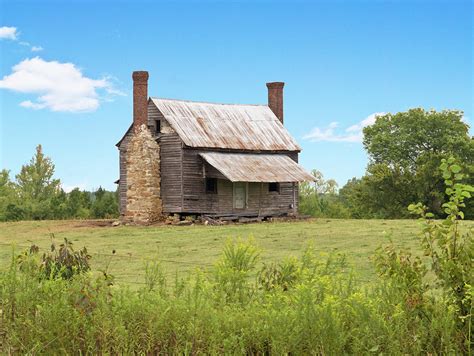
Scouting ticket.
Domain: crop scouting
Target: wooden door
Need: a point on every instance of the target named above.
(240, 195)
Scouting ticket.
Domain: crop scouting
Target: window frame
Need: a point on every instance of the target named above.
(276, 189)
(206, 185)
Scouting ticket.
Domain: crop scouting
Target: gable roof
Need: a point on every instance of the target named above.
(228, 126)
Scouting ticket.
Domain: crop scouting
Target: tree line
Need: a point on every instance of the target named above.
(405, 150)
(36, 195)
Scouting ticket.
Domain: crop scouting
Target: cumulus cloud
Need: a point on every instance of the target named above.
(352, 133)
(58, 86)
(8, 33)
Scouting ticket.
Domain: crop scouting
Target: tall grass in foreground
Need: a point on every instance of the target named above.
(305, 305)
(301, 305)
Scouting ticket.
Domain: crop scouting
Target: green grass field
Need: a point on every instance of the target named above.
(185, 248)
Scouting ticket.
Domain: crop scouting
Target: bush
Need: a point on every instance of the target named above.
(301, 305)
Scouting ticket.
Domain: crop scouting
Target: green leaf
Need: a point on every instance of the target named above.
(461, 215)
(448, 182)
(455, 168)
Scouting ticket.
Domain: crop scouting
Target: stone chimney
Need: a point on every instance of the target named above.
(140, 99)
(275, 98)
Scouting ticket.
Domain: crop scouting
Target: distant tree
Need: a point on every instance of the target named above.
(404, 154)
(104, 204)
(36, 185)
(320, 198)
(7, 194)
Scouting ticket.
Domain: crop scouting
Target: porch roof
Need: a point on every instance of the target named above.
(243, 167)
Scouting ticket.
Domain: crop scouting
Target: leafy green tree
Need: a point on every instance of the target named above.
(104, 205)
(320, 198)
(36, 185)
(404, 152)
(7, 194)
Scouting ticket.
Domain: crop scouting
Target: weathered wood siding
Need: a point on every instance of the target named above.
(171, 172)
(123, 173)
(259, 200)
(171, 153)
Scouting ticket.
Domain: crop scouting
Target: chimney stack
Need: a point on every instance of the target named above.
(275, 98)
(140, 99)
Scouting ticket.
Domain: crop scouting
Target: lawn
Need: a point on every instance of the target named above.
(184, 248)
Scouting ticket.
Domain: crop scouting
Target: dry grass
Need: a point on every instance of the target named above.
(182, 249)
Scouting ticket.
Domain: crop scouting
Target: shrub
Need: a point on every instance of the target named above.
(450, 250)
(63, 263)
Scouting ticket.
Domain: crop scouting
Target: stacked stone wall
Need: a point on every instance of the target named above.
(144, 205)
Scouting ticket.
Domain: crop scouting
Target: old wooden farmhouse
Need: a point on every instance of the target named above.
(210, 159)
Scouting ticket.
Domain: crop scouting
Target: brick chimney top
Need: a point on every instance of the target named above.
(275, 85)
(275, 98)
(140, 76)
(140, 99)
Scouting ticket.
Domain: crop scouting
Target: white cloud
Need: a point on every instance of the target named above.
(352, 133)
(8, 33)
(60, 86)
(70, 187)
(36, 48)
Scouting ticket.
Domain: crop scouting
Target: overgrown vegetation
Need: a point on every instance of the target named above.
(37, 195)
(404, 152)
(309, 304)
(321, 198)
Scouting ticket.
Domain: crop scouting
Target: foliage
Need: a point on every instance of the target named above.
(320, 198)
(450, 250)
(63, 262)
(36, 195)
(314, 306)
(404, 152)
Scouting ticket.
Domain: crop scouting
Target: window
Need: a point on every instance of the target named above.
(274, 187)
(211, 185)
(157, 126)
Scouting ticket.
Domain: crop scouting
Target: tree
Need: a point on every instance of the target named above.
(404, 152)
(7, 194)
(36, 185)
(104, 205)
(320, 198)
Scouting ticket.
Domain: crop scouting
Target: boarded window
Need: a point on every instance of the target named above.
(274, 187)
(211, 185)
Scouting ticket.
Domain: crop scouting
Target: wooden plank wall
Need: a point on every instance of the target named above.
(123, 174)
(196, 200)
(171, 158)
(171, 178)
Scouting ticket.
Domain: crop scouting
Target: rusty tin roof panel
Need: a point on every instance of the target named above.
(245, 167)
(230, 126)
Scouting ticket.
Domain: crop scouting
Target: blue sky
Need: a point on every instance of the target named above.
(341, 61)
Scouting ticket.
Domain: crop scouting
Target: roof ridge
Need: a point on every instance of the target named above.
(206, 102)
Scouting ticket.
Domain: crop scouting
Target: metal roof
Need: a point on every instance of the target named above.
(230, 126)
(242, 167)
